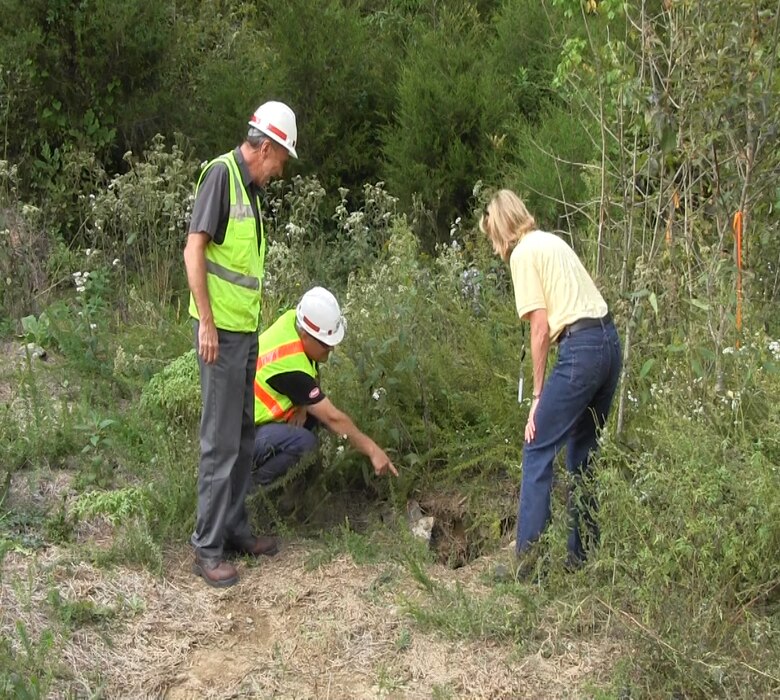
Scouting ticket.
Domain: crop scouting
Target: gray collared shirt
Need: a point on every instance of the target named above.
(212, 204)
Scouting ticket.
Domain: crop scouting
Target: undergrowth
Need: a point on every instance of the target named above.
(686, 582)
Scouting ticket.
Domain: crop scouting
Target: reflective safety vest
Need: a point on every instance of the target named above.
(279, 350)
(234, 270)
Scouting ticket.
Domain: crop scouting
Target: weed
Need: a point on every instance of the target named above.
(134, 543)
(404, 640)
(386, 682)
(58, 526)
(116, 506)
(442, 692)
(38, 330)
(24, 527)
(26, 673)
(460, 615)
(176, 390)
(344, 540)
(139, 217)
(75, 614)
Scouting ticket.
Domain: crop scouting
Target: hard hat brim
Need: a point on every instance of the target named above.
(335, 339)
(290, 149)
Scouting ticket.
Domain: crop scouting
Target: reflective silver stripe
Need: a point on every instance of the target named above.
(238, 188)
(241, 211)
(233, 277)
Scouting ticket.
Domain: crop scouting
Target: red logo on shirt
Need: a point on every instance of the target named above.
(314, 393)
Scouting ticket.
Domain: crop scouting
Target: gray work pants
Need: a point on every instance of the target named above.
(227, 435)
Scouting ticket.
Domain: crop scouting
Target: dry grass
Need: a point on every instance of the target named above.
(282, 632)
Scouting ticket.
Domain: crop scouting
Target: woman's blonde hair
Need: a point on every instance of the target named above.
(505, 221)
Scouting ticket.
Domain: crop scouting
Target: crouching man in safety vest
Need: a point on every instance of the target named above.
(288, 399)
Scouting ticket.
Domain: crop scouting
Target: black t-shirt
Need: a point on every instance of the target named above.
(299, 387)
(211, 209)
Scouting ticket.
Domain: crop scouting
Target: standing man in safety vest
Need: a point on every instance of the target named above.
(289, 402)
(224, 259)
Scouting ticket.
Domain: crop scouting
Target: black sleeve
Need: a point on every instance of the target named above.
(299, 387)
(212, 205)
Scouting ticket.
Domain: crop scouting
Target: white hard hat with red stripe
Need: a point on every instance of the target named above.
(277, 121)
(318, 314)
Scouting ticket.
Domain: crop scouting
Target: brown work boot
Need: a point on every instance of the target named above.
(215, 572)
(256, 546)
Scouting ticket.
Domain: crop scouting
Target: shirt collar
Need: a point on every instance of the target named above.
(246, 178)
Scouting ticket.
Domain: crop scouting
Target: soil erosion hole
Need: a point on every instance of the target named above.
(455, 537)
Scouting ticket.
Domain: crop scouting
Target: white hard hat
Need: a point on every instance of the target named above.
(318, 313)
(277, 121)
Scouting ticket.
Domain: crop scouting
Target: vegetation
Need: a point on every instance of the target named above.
(641, 132)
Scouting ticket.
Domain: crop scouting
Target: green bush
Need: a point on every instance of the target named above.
(24, 249)
(310, 246)
(218, 71)
(423, 377)
(116, 506)
(546, 161)
(450, 109)
(524, 53)
(175, 391)
(114, 51)
(338, 75)
(139, 220)
(691, 525)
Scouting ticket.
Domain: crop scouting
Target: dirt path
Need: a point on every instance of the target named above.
(287, 630)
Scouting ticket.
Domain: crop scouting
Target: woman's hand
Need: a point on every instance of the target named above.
(530, 426)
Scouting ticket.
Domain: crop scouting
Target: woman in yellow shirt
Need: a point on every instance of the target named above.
(557, 296)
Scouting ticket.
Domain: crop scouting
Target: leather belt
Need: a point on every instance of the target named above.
(582, 324)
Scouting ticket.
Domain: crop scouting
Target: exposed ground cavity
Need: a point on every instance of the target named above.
(461, 532)
(459, 527)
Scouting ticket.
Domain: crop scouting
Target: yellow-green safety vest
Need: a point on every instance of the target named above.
(234, 270)
(279, 349)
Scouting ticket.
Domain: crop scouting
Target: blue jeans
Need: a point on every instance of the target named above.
(572, 410)
(278, 447)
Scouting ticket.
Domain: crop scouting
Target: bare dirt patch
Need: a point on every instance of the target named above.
(284, 631)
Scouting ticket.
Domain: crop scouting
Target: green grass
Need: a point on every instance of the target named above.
(78, 613)
(26, 673)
